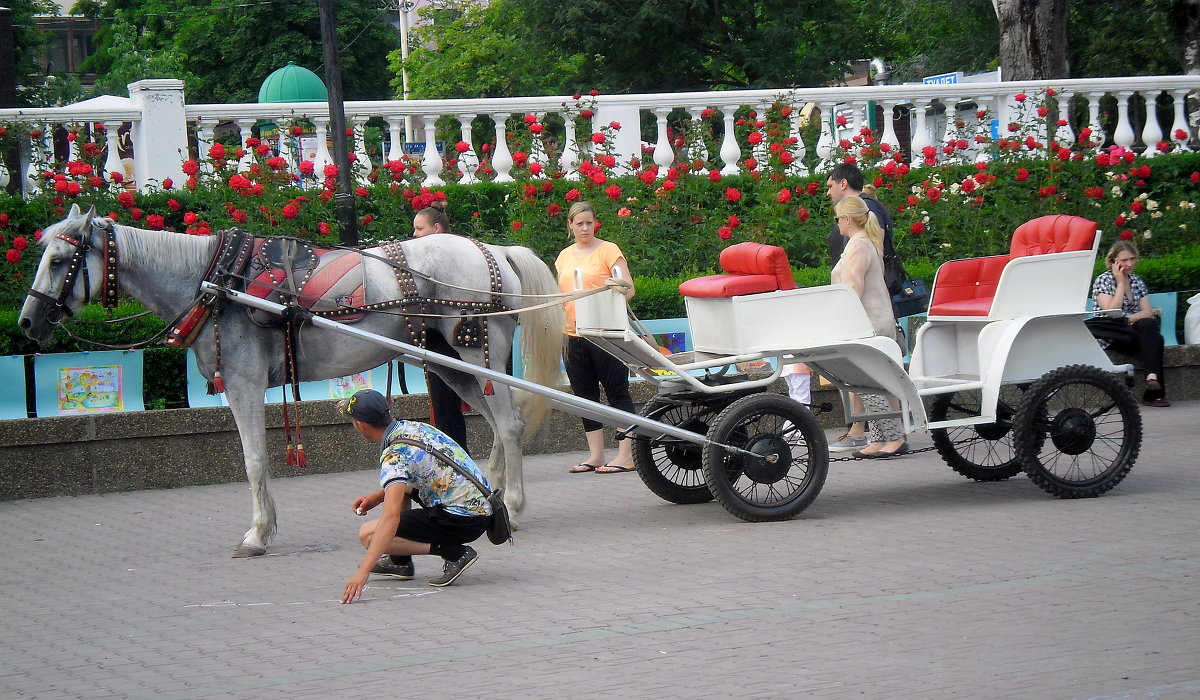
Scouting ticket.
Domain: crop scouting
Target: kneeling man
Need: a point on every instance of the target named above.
(454, 512)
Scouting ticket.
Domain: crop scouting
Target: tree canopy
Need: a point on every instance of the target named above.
(28, 43)
(224, 49)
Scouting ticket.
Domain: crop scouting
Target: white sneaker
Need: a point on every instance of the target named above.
(847, 444)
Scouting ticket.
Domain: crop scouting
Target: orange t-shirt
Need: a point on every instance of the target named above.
(595, 267)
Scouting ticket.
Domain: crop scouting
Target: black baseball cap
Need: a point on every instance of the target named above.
(368, 406)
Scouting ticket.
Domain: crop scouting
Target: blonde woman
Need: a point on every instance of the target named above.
(588, 366)
(861, 267)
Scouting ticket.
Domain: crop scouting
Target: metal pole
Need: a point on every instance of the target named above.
(8, 95)
(568, 403)
(344, 198)
(404, 7)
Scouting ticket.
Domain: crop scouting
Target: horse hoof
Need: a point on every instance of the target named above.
(244, 551)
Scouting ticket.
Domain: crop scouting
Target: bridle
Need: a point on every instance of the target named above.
(109, 286)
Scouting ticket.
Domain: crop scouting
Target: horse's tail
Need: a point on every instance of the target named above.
(542, 330)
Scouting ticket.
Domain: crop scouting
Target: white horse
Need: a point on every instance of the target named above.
(163, 270)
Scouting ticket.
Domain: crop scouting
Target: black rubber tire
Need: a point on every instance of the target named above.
(981, 452)
(673, 469)
(1077, 432)
(750, 490)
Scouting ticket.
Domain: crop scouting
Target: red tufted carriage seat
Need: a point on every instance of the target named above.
(750, 268)
(968, 287)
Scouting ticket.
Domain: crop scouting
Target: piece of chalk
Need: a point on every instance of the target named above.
(359, 511)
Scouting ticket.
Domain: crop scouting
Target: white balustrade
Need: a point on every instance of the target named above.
(1151, 131)
(363, 164)
(159, 118)
(112, 143)
(245, 131)
(431, 164)
(468, 162)
(1062, 132)
(502, 161)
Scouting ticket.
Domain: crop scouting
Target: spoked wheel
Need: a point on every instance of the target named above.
(983, 452)
(673, 468)
(791, 462)
(1077, 432)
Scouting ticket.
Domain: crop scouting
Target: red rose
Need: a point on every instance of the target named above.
(307, 167)
(755, 138)
(1064, 154)
(668, 185)
(366, 220)
(136, 214)
(714, 175)
(725, 232)
(593, 93)
(1019, 97)
(1195, 176)
(190, 218)
(155, 222)
(733, 194)
(1043, 111)
(1126, 235)
(1022, 175)
(73, 189)
(217, 151)
(587, 114)
(968, 185)
(598, 138)
(1137, 207)
(615, 126)
(3, 219)
(814, 187)
(785, 196)
(841, 120)
(516, 225)
(933, 194)
(125, 199)
(331, 170)
(296, 130)
(803, 214)
(553, 210)
(707, 113)
(917, 228)
(290, 211)
(786, 157)
(613, 192)
(323, 227)
(572, 195)
(239, 216)
(12, 256)
(20, 243)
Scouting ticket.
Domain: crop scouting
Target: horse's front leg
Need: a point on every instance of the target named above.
(505, 461)
(245, 393)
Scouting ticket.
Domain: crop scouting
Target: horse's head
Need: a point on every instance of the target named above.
(69, 275)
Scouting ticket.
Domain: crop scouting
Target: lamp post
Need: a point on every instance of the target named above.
(344, 199)
(404, 7)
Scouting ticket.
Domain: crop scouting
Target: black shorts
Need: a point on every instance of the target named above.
(436, 526)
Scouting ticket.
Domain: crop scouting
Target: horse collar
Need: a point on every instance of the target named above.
(111, 284)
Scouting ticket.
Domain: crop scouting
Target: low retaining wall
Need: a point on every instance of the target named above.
(104, 453)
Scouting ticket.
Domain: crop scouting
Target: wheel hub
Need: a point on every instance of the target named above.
(1073, 431)
(774, 458)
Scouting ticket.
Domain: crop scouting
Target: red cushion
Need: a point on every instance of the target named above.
(1056, 233)
(966, 287)
(751, 268)
(728, 285)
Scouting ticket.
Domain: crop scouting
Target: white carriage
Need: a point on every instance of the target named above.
(1004, 373)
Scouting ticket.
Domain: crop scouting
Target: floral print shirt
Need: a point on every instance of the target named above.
(434, 482)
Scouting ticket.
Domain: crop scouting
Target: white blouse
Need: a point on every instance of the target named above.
(861, 267)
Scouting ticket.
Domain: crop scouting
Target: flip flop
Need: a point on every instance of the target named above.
(583, 468)
(616, 469)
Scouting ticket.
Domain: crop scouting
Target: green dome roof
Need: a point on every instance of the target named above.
(292, 83)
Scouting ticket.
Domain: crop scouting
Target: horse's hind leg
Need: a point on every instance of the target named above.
(245, 393)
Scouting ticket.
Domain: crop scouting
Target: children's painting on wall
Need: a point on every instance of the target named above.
(345, 387)
(89, 390)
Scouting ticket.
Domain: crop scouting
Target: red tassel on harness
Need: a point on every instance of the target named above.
(301, 459)
(291, 455)
(487, 388)
(218, 383)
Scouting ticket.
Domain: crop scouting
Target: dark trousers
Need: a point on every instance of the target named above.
(445, 410)
(1143, 339)
(589, 368)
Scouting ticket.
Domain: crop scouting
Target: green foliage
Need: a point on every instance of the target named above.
(928, 37)
(28, 44)
(224, 50)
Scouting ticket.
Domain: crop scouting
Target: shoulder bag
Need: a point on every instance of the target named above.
(500, 530)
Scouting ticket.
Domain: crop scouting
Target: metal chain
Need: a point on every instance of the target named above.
(910, 452)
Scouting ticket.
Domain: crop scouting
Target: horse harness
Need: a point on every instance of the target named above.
(109, 284)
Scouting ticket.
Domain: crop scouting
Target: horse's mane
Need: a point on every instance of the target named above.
(184, 253)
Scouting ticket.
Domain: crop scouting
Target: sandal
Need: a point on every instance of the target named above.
(582, 468)
(615, 469)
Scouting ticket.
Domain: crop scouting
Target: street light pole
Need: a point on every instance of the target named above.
(344, 199)
(404, 7)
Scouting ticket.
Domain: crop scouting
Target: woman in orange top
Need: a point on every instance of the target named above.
(588, 366)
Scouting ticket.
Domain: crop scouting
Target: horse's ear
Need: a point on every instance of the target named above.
(74, 213)
(91, 213)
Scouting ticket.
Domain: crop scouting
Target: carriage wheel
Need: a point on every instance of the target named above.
(670, 467)
(794, 458)
(983, 452)
(1077, 432)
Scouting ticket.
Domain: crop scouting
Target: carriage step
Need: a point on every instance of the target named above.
(948, 384)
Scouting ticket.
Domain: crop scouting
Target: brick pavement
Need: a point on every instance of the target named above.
(903, 580)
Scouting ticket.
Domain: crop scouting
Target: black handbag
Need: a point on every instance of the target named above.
(500, 529)
(909, 296)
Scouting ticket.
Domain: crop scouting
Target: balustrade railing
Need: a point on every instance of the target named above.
(815, 128)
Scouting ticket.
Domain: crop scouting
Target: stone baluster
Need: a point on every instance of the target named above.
(698, 148)
(395, 124)
(1179, 128)
(981, 126)
(285, 142)
(569, 160)
(857, 120)
(431, 163)
(664, 150)
(4, 176)
(889, 127)
(468, 162)
(797, 167)
(1063, 133)
(245, 127)
(762, 152)
(112, 156)
(72, 144)
(1098, 135)
(33, 180)
(1123, 134)
(825, 142)
(920, 134)
(204, 141)
(731, 152)
(363, 163)
(323, 156)
(1151, 131)
(950, 135)
(537, 149)
(502, 161)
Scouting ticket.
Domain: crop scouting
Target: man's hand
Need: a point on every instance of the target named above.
(362, 504)
(354, 587)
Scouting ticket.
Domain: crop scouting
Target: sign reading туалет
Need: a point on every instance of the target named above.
(943, 79)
